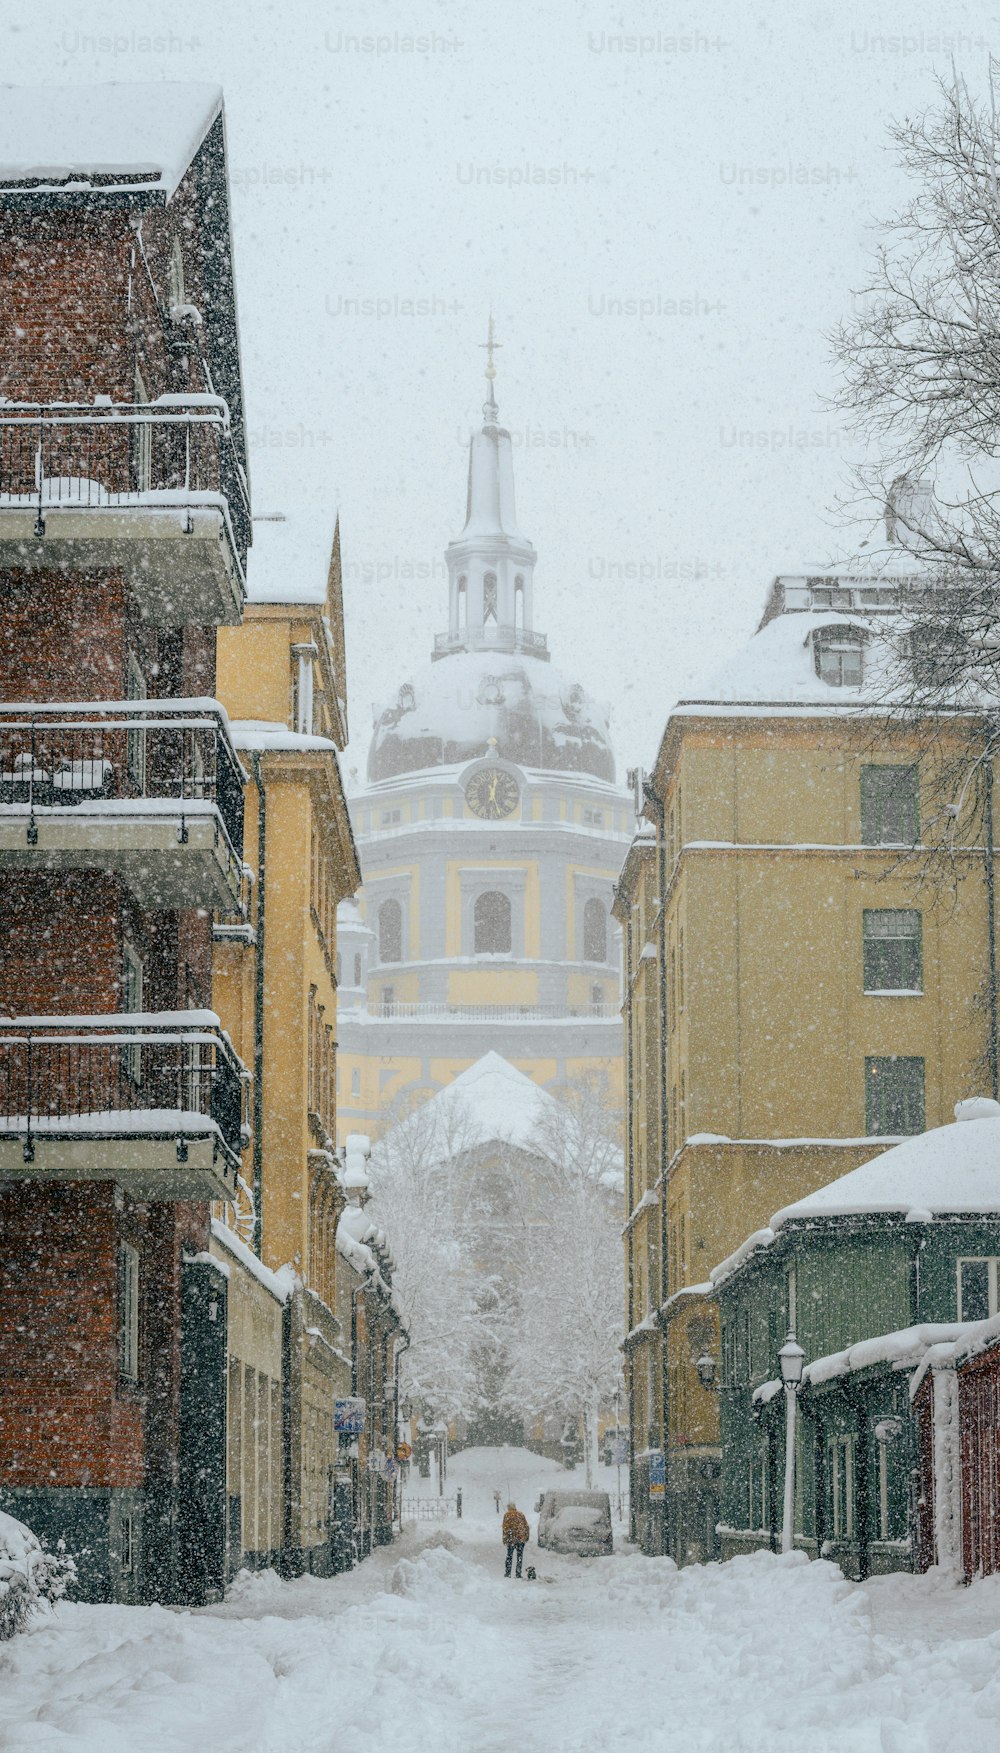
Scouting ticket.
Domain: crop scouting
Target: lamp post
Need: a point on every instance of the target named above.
(791, 1358)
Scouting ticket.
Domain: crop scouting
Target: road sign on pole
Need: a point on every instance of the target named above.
(657, 1473)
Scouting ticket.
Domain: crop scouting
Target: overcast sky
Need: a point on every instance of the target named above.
(666, 217)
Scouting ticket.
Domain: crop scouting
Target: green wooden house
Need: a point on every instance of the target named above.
(867, 1273)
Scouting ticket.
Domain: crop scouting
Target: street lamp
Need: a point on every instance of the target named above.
(791, 1357)
(706, 1367)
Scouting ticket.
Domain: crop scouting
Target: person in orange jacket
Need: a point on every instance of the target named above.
(514, 1533)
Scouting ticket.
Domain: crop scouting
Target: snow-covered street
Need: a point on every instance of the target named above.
(428, 1645)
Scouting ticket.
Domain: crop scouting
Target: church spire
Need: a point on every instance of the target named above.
(491, 564)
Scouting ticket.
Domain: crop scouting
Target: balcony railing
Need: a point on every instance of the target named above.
(175, 452)
(491, 638)
(498, 1013)
(80, 756)
(118, 1076)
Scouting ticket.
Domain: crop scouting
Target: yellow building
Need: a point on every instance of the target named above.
(281, 678)
(491, 829)
(811, 1001)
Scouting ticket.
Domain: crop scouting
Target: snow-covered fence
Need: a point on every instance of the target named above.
(57, 1072)
(55, 757)
(81, 456)
(429, 1509)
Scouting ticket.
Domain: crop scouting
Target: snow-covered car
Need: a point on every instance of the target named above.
(577, 1523)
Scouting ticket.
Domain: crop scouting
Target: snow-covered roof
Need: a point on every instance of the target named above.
(777, 667)
(496, 1103)
(951, 1169)
(59, 134)
(948, 1171)
(290, 558)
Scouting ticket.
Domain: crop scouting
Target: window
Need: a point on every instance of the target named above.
(894, 1096)
(463, 602)
(390, 932)
(977, 1289)
(597, 999)
(388, 999)
(838, 653)
(135, 740)
(890, 814)
(489, 597)
(128, 1313)
(143, 445)
(840, 1450)
(133, 976)
(357, 970)
(355, 1083)
(127, 1546)
(892, 950)
(758, 1494)
(390, 817)
(594, 818)
(519, 602)
(492, 924)
(595, 931)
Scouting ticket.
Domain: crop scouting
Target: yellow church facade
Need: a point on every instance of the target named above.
(812, 1002)
(491, 828)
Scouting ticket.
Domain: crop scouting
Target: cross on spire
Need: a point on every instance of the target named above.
(490, 346)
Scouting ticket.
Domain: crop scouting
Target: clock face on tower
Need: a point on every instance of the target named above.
(492, 794)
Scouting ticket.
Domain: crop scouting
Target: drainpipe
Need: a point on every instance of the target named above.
(994, 1054)
(258, 1020)
(652, 799)
(397, 1354)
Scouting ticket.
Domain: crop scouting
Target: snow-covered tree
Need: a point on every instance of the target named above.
(566, 1331)
(413, 1172)
(30, 1577)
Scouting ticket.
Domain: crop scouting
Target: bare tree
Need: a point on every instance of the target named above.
(921, 357)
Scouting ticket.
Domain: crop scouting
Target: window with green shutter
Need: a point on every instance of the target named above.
(894, 1096)
(893, 951)
(890, 806)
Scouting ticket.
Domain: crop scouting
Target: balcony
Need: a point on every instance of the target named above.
(153, 1101)
(150, 788)
(496, 1013)
(492, 638)
(155, 489)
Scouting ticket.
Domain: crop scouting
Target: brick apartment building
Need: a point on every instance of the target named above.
(124, 529)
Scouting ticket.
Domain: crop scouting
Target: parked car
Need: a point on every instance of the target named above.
(577, 1523)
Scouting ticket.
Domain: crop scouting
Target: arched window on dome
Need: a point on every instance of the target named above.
(390, 932)
(489, 598)
(492, 924)
(595, 931)
(519, 603)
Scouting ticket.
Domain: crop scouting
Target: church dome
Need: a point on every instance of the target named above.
(472, 703)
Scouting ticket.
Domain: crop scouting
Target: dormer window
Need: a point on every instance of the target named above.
(838, 653)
